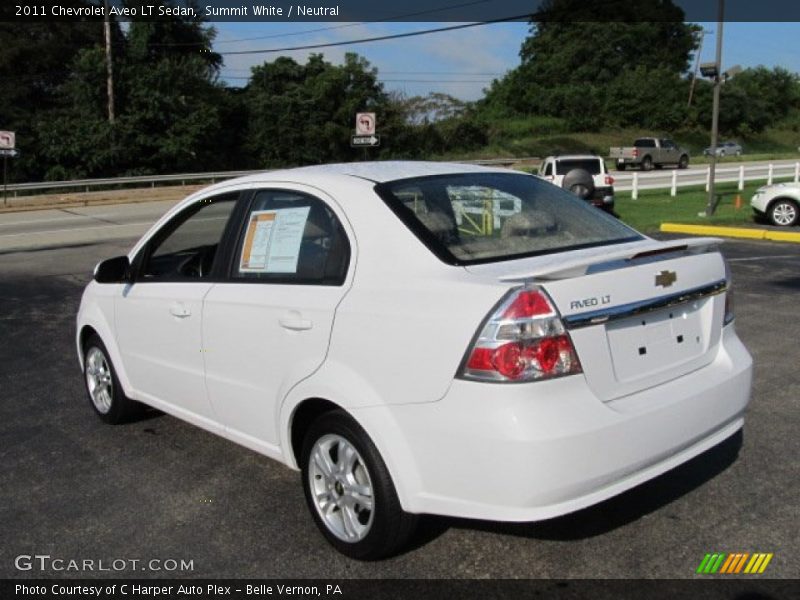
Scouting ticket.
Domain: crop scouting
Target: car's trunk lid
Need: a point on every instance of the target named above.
(638, 314)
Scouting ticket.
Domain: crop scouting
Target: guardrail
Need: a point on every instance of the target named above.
(143, 180)
(183, 178)
(629, 181)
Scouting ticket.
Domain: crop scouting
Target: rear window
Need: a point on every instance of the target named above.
(485, 217)
(645, 143)
(590, 165)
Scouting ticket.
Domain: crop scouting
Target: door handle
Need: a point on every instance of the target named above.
(295, 324)
(178, 309)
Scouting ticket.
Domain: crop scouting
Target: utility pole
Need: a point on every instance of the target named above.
(109, 62)
(715, 113)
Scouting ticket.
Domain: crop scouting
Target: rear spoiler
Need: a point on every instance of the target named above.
(651, 251)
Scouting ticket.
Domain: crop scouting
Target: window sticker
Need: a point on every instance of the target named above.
(272, 242)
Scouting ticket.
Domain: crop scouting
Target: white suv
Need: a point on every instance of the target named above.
(585, 175)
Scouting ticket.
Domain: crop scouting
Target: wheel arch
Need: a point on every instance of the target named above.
(92, 322)
(792, 199)
(336, 387)
(303, 415)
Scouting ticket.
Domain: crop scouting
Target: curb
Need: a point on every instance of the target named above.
(734, 232)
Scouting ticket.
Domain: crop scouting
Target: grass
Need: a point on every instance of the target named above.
(655, 207)
(543, 136)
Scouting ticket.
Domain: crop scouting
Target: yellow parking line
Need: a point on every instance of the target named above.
(735, 232)
(782, 236)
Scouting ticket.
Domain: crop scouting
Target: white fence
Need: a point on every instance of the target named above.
(672, 180)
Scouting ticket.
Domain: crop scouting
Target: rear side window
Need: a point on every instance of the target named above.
(590, 165)
(484, 217)
(645, 143)
(291, 237)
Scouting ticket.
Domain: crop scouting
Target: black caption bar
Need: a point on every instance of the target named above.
(371, 10)
(349, 589)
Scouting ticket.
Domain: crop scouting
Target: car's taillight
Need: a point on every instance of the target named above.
(635, 153)
(609, 180)
(523, 340)
(728, 306)
(728, 296)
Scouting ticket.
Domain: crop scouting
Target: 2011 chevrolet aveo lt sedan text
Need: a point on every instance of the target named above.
(421, 338)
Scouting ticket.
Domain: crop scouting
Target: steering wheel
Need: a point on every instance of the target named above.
(198, 264)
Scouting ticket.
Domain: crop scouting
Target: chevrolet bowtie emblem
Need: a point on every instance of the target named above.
(666, 278)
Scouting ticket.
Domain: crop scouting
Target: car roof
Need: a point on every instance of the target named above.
(574, 157)
(375, 171)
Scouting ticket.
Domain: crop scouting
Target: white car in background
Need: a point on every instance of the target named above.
(725, 149)
(780, 203)
(339, 320)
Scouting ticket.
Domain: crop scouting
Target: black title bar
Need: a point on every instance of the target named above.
(374, 11)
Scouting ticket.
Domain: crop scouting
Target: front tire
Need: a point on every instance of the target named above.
(783, 213)
(102, 385)
(683, 161)
(349, 491)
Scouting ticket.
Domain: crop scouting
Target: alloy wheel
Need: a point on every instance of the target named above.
(341, 487)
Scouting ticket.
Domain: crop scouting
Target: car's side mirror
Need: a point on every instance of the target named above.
(113, 270)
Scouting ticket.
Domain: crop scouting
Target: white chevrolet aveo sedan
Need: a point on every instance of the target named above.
(421, 338)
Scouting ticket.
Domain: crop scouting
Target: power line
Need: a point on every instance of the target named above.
(375, 39)
(320, 29)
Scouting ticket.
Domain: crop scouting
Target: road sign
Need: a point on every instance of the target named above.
(8, 153)
(365, 141)
(7, 140)
(365, 124)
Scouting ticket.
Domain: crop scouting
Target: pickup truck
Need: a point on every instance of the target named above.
(584, 175)
(650, 152)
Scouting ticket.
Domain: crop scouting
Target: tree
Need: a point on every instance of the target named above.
(578, 51)
(304, 114)
(32, 68)
(171, 112)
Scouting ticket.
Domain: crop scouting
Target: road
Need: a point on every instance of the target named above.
(58, 227)
(75, 488)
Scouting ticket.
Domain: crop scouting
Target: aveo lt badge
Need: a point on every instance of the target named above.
(666, 278)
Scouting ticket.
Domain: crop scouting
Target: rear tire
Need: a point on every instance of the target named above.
(783, 212)
(647, 164)
(102, 385)
(349, 491)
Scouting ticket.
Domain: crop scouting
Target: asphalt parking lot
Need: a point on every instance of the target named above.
(74, 488)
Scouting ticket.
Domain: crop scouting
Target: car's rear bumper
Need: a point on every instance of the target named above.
(534, 451)
(603, 197)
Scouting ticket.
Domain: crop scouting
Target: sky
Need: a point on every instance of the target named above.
(463, 62)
